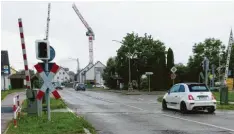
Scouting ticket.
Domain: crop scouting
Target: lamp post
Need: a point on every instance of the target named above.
(129, 65)
(78, 68)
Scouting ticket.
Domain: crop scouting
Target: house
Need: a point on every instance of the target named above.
(17, 80)
(61, 76)
(71, 75)
(92, 73)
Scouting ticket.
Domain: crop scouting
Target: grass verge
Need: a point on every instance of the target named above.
(160, 98)
(225, 107)
(61, 123)
(230, 96)
(4, 93)
(221, 107)
(54, 104)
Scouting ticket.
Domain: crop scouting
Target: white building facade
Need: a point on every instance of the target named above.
(92, 73)
(61, 76)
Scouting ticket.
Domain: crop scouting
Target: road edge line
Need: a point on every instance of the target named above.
(202, 123)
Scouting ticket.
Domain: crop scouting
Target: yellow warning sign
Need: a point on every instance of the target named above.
(230, 83)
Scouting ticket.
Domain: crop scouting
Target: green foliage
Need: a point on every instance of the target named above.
(210, 48)
(61, 123)
(37, 83)
(146, 54)
(170, 58)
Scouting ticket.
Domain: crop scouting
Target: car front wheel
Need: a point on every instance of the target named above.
(164, 105)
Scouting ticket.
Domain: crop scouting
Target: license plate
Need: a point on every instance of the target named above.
(202, 98)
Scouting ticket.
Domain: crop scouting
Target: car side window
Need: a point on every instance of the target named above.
(175, 89)
(182, 89)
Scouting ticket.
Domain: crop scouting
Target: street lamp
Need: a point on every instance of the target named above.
(129, 58)
(78, 68)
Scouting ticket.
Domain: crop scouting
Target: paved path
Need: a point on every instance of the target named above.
(7, 110)
(112, 113)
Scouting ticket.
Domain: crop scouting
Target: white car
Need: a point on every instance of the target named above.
(189, 97)
(100, 86)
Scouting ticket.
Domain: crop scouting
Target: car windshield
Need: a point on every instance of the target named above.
(198, 88)
(81, 85)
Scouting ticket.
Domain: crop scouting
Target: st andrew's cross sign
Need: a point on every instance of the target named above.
(47, 80)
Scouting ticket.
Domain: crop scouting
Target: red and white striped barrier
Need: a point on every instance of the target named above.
(24, 54)
(16, 109)
(47, 81)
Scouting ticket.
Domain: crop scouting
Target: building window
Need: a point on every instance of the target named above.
(59, 72)
(65, 77)
(63, 72)
(57, 77)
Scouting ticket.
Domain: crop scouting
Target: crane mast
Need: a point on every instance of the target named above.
(48, 23)
(89, 33)
(228, 56)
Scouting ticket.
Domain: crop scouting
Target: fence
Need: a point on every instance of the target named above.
(16, 109)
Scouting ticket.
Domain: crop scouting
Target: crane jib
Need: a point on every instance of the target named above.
(228, 56)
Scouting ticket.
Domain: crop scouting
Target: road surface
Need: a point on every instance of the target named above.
(113, 113)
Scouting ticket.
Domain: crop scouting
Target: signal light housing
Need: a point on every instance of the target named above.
(42, 50)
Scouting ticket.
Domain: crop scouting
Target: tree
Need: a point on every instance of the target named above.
(170, 64)
(211, 48)
(146, 55)
(170, 58)
(109, 72)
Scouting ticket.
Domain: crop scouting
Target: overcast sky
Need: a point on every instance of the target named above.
(178, 24)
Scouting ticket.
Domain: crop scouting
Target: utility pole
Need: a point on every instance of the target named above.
(129, 65)
(213, 74)
(206, 67)
(47, 67)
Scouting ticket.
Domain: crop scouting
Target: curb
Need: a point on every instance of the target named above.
(69, 110)
(86, 130)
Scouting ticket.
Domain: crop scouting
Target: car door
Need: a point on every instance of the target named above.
(170, 99)
(178, 95)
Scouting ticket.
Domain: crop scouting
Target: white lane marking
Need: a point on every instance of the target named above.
(140, 99)
(202, 123)
(133, 107)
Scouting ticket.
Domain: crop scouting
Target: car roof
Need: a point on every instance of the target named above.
(192, 83)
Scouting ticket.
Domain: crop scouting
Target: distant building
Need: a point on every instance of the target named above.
(71, 75)
(92, 73)
(13, 71)
(61, 76)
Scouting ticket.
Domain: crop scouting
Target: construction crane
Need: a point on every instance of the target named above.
(89, 33)
(230, 43)
(48, 23)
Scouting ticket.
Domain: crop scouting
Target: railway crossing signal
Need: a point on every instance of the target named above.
(42, 50)
(47, 80)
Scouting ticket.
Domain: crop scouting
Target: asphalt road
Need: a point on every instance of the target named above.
(113, 113)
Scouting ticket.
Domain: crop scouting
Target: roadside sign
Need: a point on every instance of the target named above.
(149, 73)
(173, 69)
(47, 80)
(173, 76)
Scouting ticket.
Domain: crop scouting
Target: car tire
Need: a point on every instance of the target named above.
(164, 105)
(211, 110)
(183, 108)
